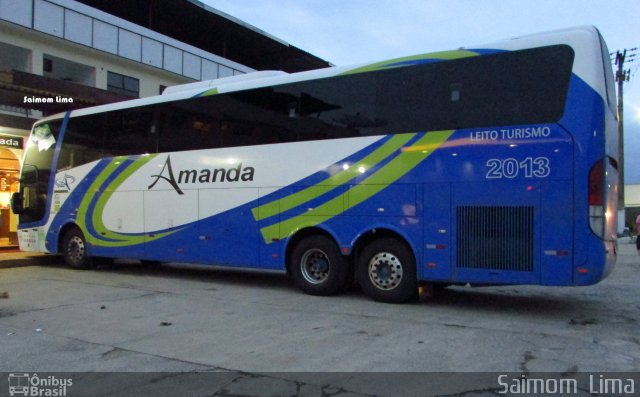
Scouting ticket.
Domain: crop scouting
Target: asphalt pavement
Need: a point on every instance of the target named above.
(255, 332)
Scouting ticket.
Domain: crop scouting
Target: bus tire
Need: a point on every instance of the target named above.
(386, 271)
(74, 250)
(318, 267)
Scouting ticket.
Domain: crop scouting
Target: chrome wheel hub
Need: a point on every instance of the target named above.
(314, 266)
(385, 271)
(76, 249)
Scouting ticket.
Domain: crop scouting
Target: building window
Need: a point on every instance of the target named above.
(47, 65)
(63, 69)
(123, 84)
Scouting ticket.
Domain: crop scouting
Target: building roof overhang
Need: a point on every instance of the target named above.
(204, 27)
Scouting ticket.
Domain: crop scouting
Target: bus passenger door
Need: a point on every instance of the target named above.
(436, 265)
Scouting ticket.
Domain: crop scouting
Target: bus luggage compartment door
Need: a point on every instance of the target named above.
(437, 232)
(496, 230)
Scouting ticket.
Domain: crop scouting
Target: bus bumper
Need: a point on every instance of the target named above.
(600, 263)
(612, 256)
(32, 240)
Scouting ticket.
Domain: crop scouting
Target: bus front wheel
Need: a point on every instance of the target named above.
(317, 266)
(386, 271)
(74, 250)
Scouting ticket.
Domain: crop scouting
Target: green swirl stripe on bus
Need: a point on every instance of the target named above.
(209, 92)
(333, 182)
(409, 158)
(109, 238)
(399, 62)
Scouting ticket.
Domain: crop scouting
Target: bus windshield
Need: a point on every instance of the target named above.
(36, 171)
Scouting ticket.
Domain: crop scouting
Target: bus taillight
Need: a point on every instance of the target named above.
(596, 198)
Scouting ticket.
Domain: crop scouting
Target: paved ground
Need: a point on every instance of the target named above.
(130, 318)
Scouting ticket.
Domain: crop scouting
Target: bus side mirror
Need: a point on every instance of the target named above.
(16, 203)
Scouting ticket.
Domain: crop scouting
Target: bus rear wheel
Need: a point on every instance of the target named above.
(74, 250)
(386, 271)
(317, 266)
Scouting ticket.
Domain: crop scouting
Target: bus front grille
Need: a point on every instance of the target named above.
(495, 238)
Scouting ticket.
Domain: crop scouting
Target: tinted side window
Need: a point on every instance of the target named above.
(520, 87)
(82, 141)
(117, 133)
(190, 125)
(131, 131)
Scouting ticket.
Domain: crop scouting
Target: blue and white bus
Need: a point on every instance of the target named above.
(493, 164)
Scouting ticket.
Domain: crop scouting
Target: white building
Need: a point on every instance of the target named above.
(631, 205)
(58, 55)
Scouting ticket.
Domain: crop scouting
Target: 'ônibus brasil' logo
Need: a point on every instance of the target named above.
(205, 175)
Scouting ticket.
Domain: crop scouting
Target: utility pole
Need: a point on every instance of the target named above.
(621, 76)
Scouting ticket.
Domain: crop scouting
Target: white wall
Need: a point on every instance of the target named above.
(40, 44)
(632, 195)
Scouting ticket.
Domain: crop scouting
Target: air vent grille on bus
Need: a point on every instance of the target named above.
(496, 238)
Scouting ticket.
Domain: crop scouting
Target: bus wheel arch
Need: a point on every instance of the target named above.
(298, 236)
(376, 233)
(314, 261)
(72, 244)
(61, 234)
(386, 266)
